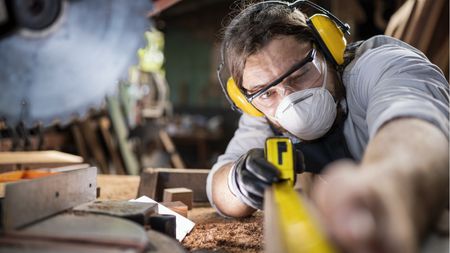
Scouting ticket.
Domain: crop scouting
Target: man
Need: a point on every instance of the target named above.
(385, 109)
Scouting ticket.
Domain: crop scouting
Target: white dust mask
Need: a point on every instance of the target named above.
(307, 114)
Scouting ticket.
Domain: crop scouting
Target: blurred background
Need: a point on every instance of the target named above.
(129, 85)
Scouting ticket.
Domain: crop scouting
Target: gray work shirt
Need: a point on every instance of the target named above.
(387, 79)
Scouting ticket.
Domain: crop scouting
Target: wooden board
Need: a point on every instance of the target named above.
(38, 157)
(154, 181)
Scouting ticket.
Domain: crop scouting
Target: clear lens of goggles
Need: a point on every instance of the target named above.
(308, 76)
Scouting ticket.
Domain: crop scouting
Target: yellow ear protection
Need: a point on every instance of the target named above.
(329, 34)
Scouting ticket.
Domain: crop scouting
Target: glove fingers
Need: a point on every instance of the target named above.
(252, 174)
(252, 184)
(263, 169)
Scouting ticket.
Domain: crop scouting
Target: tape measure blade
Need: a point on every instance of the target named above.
(289, 226)
(274, 241)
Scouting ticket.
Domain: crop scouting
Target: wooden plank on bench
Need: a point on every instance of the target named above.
(154, 181)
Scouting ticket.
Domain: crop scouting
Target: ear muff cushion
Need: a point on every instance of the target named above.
(239, 100)
(331, 36)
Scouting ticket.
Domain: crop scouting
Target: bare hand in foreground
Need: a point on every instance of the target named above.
(365, 209)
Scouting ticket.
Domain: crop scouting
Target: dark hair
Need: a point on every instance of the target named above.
(254, 27)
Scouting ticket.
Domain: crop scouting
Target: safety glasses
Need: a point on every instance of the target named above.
(223, 75)
(309, 58)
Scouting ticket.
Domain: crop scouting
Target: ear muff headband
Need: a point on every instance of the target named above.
(329, 33)
(329, 37)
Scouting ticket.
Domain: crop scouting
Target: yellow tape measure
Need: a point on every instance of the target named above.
(300, 230)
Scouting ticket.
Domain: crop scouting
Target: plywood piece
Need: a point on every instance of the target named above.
(178, 194)
(154, 181)
(38, 157)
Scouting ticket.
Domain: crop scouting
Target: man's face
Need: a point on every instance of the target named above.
(274, 60)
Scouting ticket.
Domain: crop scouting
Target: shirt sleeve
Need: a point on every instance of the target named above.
(251, 133)
(397, 82)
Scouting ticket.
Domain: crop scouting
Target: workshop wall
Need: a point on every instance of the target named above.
(192, 32)
(188, 69)
(191, 35)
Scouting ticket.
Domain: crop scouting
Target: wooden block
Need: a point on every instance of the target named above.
(178, 194)
(154, 181)
(177, 206)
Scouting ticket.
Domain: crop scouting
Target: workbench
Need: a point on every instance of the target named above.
(211, 232)
(214, 232)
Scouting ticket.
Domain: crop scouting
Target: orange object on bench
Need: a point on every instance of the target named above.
(12, 176)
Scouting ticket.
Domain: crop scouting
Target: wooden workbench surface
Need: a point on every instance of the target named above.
(214, 232)
(211, 231)
(117, 187)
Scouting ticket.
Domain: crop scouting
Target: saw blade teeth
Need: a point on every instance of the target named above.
(69, 68)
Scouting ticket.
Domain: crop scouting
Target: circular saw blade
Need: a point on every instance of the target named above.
(60, 73)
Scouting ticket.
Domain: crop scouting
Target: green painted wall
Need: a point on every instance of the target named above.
(188, 68)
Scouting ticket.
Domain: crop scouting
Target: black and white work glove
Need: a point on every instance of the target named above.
(250, 176)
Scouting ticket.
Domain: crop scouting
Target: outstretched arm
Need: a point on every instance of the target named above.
(224, 200)
(388, 201)
(251, 133)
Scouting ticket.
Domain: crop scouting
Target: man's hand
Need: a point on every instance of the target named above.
(250, 176)
(364, 210)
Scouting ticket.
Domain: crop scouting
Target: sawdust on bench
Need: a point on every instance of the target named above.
(213, 232)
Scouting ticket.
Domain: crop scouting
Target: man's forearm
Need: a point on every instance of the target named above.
(414, 155)
(224, 200)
